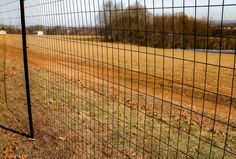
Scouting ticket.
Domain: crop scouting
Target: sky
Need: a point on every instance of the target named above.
(84, 12)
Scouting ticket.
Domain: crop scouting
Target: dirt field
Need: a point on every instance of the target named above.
(128, 100)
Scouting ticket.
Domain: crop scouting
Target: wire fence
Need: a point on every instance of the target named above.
(122, 79)
(13, 103)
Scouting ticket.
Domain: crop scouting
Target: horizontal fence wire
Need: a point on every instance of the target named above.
(127, 78)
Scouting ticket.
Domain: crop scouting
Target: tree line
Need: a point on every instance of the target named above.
(10, 29)
(51, 30)
(61, 30)
(137, 25)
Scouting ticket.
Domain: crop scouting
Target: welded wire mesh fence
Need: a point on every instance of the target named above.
(12, 84)
(128, 78)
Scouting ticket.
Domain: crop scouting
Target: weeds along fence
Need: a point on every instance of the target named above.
(120, 79)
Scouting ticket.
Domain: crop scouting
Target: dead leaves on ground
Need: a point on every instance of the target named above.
(9, 150)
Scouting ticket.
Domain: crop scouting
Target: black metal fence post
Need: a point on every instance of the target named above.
(22, 11)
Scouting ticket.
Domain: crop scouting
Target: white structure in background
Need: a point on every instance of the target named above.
(3, 32)
(40, 33)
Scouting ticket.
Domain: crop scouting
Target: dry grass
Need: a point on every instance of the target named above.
(208, 73)
(111, 95)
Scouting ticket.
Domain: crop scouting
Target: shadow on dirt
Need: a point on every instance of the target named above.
(14, 131)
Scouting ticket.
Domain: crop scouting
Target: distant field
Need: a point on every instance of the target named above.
(181, 85)
(141, 67)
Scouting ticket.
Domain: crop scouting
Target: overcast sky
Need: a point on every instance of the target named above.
(84, 12)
